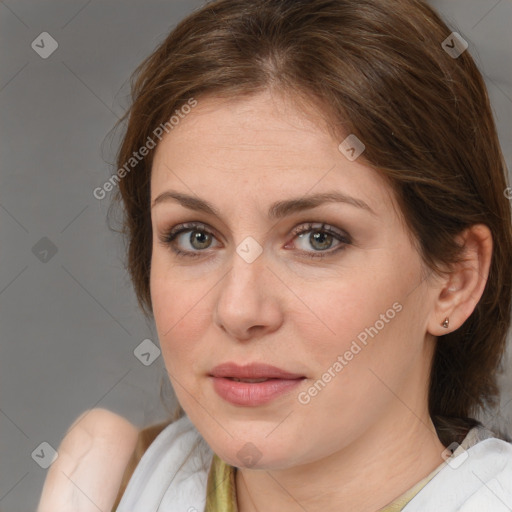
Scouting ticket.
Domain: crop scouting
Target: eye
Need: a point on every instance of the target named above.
(321, 238)
(199, 238)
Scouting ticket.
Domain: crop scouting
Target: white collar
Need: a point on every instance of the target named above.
(172, 475)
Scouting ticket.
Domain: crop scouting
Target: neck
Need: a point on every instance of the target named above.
(387, 460)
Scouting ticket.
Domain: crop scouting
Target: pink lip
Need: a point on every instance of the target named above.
(252, 371)
(252, 394)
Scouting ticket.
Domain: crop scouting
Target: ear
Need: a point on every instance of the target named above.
(460, 291)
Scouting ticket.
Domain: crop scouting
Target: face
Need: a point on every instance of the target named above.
(334, 294)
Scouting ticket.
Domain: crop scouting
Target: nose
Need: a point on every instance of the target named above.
(248, 303)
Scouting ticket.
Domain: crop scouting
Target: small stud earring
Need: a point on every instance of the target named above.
(445, 323)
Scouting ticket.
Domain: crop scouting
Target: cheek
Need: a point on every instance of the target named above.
(376, 324)
(352, 307)
(180, 309)
(322, 318)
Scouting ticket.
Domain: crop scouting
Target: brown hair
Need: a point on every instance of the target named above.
(375, 69)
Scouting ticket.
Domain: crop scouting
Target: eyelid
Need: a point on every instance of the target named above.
(189, 226)
(304, 227)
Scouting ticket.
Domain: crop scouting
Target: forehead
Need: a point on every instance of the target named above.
(266, 145)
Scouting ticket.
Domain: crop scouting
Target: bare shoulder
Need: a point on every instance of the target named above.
(92, 458)
(102, 429)
(105, 424)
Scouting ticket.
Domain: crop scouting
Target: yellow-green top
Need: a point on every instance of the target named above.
(221, 489)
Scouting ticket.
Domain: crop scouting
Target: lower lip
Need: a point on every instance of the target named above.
(251, 394)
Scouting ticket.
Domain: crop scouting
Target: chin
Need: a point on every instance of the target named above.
(257, 455)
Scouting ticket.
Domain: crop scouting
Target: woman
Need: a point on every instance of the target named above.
(314, 199)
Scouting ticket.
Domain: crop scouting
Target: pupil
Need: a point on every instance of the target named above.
(318, 237)
(196, 236)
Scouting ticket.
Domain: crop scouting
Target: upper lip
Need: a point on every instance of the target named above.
(252, 371)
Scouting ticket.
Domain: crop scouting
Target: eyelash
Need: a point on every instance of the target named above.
(169, 236)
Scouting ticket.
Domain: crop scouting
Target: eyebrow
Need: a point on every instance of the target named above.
(277, 210)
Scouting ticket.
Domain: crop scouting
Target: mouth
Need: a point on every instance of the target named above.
(252, 372)
(252, 381)
(253, 384)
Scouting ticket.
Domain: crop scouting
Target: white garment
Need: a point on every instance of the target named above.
(158, 484)
(477, 478)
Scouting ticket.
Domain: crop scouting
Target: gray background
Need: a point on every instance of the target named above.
(70, 325)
